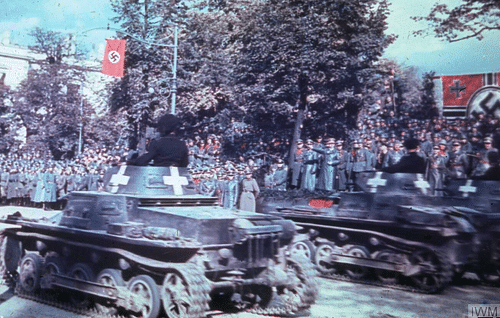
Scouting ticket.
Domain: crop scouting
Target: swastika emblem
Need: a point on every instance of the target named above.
(486, 100)
(114, 57)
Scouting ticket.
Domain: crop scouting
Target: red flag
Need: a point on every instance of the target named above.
(458, 89)
(114, 58)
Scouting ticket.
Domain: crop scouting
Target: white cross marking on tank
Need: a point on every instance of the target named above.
(467, 188)
(375, 182)
(175, 180)
(118, 179)
(422, 184)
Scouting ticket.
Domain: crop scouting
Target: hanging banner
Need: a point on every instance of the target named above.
(471, 94)
(114, 58)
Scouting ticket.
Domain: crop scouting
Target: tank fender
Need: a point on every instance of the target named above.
(464, 225)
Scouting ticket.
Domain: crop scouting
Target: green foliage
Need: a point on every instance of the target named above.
(247, 56)
(469, 20)
(147, 85)
(428, 98)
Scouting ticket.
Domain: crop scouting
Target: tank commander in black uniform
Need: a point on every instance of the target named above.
(411, 162)
(168, 150)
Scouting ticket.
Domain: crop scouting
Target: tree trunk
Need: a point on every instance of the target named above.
(303, 81)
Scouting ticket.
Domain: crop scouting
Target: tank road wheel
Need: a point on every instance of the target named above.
(355, 271)
(109, 277)
(305, 248)
(53, 265)
(435, 269)
(145, 287)
(323, 259)
(81, 271)
(302, 290)
(185, 294)
(30, 271)
(386, 276)
(10, 255)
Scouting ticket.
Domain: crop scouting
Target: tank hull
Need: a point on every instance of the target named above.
(132, 251)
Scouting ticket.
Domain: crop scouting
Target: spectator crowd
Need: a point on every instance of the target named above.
(234, 164)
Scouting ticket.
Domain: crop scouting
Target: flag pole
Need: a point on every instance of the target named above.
(174, 71)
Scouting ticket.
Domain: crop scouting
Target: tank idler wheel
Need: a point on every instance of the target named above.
(305, 248)
(436, 272)
(109, 277)
(323, 259)
(30, 271)
(386, 276)
(84, 272)
(145, 287)
(355, 271)
(185, 292)
(302, 290)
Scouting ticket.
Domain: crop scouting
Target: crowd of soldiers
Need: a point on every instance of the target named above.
(29, 179)
(457, 148)
(451, 148)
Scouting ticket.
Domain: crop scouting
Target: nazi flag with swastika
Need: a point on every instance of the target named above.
(114, 58)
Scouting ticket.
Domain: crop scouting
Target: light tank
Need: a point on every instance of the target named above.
(149, 244)
(389, 230)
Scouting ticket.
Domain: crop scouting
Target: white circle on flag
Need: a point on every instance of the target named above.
(114, 57)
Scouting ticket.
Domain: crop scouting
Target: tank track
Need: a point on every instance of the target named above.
(7, 278)
(307, 274)
(445, 275)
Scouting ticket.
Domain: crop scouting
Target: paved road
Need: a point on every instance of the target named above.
(336, 300)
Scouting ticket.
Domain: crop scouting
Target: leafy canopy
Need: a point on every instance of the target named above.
(471, 19)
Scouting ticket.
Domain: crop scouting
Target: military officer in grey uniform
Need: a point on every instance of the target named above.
(280, 176)
(342, 166)
(297, 163)
(330, 161)
(310, 167)
(458, 163)
(230, 191)
(4, 184)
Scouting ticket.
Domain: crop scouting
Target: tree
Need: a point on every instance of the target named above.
(55, 45)
(48, 102)
(146, 87)
(469, 20)
(334, 43)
